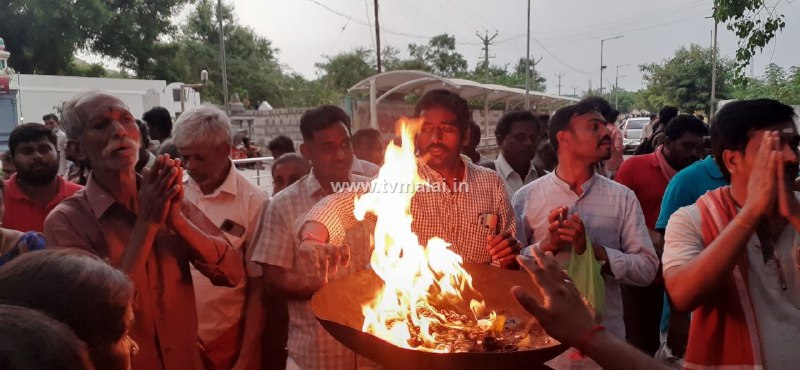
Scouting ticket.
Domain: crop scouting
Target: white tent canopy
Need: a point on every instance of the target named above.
(385, 84)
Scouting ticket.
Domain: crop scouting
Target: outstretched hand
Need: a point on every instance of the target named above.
(561, 311)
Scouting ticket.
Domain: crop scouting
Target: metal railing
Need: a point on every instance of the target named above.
(259, 165)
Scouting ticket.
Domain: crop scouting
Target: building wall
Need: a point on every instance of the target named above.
(43, 94)
(263, 126)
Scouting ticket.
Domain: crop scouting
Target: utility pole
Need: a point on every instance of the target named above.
(713, 71)
(574, 90)
(602, 66)
(528, 62)
(222, 55)
(616, 86)
(559, 75)
(486, 40)
(377, 37)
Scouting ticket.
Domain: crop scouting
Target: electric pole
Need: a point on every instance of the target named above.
(616, 86)
(574, 90)
(377, 38)
(559, 75)
(486, 40)
(222, 57)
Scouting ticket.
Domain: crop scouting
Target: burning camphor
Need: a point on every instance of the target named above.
(419, 282)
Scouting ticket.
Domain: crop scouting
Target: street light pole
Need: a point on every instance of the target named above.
(222, 55)
(602, 67)
(616, 86)
(528, 62)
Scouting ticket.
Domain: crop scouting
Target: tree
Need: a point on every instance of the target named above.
(133, 31)
(344, 70)
(252, 66)
(43, 35)
(440, 56)
(753, 21)
(685, 80)
(776, 83)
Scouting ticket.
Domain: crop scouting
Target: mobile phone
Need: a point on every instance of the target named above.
(232, 228)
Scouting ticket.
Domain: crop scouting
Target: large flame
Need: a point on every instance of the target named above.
(419, 282)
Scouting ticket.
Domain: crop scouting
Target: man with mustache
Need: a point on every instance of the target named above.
(573, 209)
(143, 226)
(326, 144)
(35, 189)
(518, 136)
(467, 193)
(648, 175)
(732, 257)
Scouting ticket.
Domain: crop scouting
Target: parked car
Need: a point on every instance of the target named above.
(632, 133)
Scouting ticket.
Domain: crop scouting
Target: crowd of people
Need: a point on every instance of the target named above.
(138, 244)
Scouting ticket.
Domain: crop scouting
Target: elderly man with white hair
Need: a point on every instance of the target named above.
(143, 226)
(231, 320)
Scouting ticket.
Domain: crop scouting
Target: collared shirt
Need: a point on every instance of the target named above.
(613, 219)
(25, 214)
(511, 178)
(643, 175)
(450, 214)
(687, 186)
(61, 146)
(777, 311)
(166, 317)
(364, 168)
(239, 201)
(310, 346)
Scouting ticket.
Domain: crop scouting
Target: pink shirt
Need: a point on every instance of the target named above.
(165, 325)
(24, 214)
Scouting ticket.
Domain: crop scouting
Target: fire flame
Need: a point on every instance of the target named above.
(418, 281)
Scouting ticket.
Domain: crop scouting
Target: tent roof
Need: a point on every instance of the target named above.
(405, 82)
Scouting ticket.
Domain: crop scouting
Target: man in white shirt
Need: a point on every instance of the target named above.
(601, 211)
(231, 320)
(518, 134)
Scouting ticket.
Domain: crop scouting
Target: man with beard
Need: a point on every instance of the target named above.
(648, 175)
(731, 258)
(36, 188)
(574, 209)
(144, 227)
(463, 195)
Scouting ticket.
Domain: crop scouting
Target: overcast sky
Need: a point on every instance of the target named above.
(566, 34)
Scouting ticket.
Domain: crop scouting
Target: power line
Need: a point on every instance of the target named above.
(546, 50)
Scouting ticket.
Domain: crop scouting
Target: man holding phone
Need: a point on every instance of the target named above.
(573, 208)
(231, 320)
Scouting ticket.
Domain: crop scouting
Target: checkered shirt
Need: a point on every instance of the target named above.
(310, 346)
(451, 215)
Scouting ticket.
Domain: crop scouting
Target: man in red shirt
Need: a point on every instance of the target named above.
(36, 188)
(648, 175)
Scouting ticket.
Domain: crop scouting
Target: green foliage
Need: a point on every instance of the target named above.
(439, 56)
(252, 66)
(685, 80)
(43, 35)
(344, 70)
(776, 83)
(753, 21)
